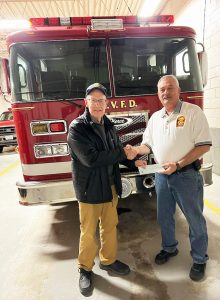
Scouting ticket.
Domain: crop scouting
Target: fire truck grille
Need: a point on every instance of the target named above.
(130, 127)
(7, 130)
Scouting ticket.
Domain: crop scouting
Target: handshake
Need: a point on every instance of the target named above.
(130, 151)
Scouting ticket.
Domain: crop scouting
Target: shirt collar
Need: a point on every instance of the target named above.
(176, 110)
(94, 121)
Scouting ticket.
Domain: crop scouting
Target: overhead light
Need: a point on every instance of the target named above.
(106, 24)
(14, 24)
(148, 8)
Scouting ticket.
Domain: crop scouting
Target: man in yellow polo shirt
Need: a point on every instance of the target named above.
(178, 135)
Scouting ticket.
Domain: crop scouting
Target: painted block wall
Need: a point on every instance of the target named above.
(204, 17)
(3, 104)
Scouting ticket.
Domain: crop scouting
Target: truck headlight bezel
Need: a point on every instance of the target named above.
(51, 150)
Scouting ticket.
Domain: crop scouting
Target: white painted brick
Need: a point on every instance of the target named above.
(213, 122)
(212, 46)
(213, 53)
(212, 72)
(217, 92)
(209, 93)
(207, 43)
(208, 85)
(215, 134)
(217, 70)
(213, 113)
(215, 38)
(212, 103)
(215, 82)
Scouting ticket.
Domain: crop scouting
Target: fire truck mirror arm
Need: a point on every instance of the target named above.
(4, 77)
(203, 61)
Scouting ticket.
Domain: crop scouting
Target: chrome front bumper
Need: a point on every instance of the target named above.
(45, 192)
(59, 191)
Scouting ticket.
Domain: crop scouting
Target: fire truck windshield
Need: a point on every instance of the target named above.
(55, 70)
(61, 70)
(138, 64)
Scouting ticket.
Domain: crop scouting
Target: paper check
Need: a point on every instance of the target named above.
(150, 169)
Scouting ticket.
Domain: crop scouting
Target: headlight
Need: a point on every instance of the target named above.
(42, 150)
(60, 149)
(51, 150)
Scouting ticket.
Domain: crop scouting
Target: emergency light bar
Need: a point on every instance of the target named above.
(162, 19)
(102, 23)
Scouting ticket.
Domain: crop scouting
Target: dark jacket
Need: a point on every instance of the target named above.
(91, 158)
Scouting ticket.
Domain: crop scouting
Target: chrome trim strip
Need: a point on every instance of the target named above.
(46, 168)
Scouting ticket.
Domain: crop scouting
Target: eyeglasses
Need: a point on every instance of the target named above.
(97, 101)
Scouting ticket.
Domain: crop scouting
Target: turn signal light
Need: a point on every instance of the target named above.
(57, 127)
(39, 128)
(48, 127)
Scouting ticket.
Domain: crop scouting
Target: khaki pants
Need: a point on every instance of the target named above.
(90, 215)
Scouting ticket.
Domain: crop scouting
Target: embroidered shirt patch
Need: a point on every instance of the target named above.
(180, 121)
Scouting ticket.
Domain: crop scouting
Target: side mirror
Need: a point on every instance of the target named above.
(4, 77)
(203, 61)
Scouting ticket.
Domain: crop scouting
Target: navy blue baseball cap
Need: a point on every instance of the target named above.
(96, 86)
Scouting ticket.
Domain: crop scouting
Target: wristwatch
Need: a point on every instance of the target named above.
(178, 168)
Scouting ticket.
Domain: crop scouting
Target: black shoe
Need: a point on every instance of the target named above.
(117, 267)
(164, 256)
(197, 271)
(85, 282)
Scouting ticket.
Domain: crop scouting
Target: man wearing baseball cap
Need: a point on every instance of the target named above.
(96, 152)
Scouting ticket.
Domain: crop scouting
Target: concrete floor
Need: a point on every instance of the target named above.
(39, 247)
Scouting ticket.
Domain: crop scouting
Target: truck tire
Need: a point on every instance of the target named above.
(1, 149)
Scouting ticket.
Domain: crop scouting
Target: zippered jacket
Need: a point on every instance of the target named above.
(91, 159)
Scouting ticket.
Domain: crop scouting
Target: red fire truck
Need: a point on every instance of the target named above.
(53, 62)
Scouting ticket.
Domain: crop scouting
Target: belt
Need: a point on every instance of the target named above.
(188, 167)
(196, 165)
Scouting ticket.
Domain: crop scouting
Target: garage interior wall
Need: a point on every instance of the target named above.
(205, 20)
(3, 104)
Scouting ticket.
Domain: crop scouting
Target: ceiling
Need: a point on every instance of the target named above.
(19, 9)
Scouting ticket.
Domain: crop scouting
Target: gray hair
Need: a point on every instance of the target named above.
(169, 76)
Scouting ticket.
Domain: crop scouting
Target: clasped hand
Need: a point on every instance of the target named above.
(131, 152)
